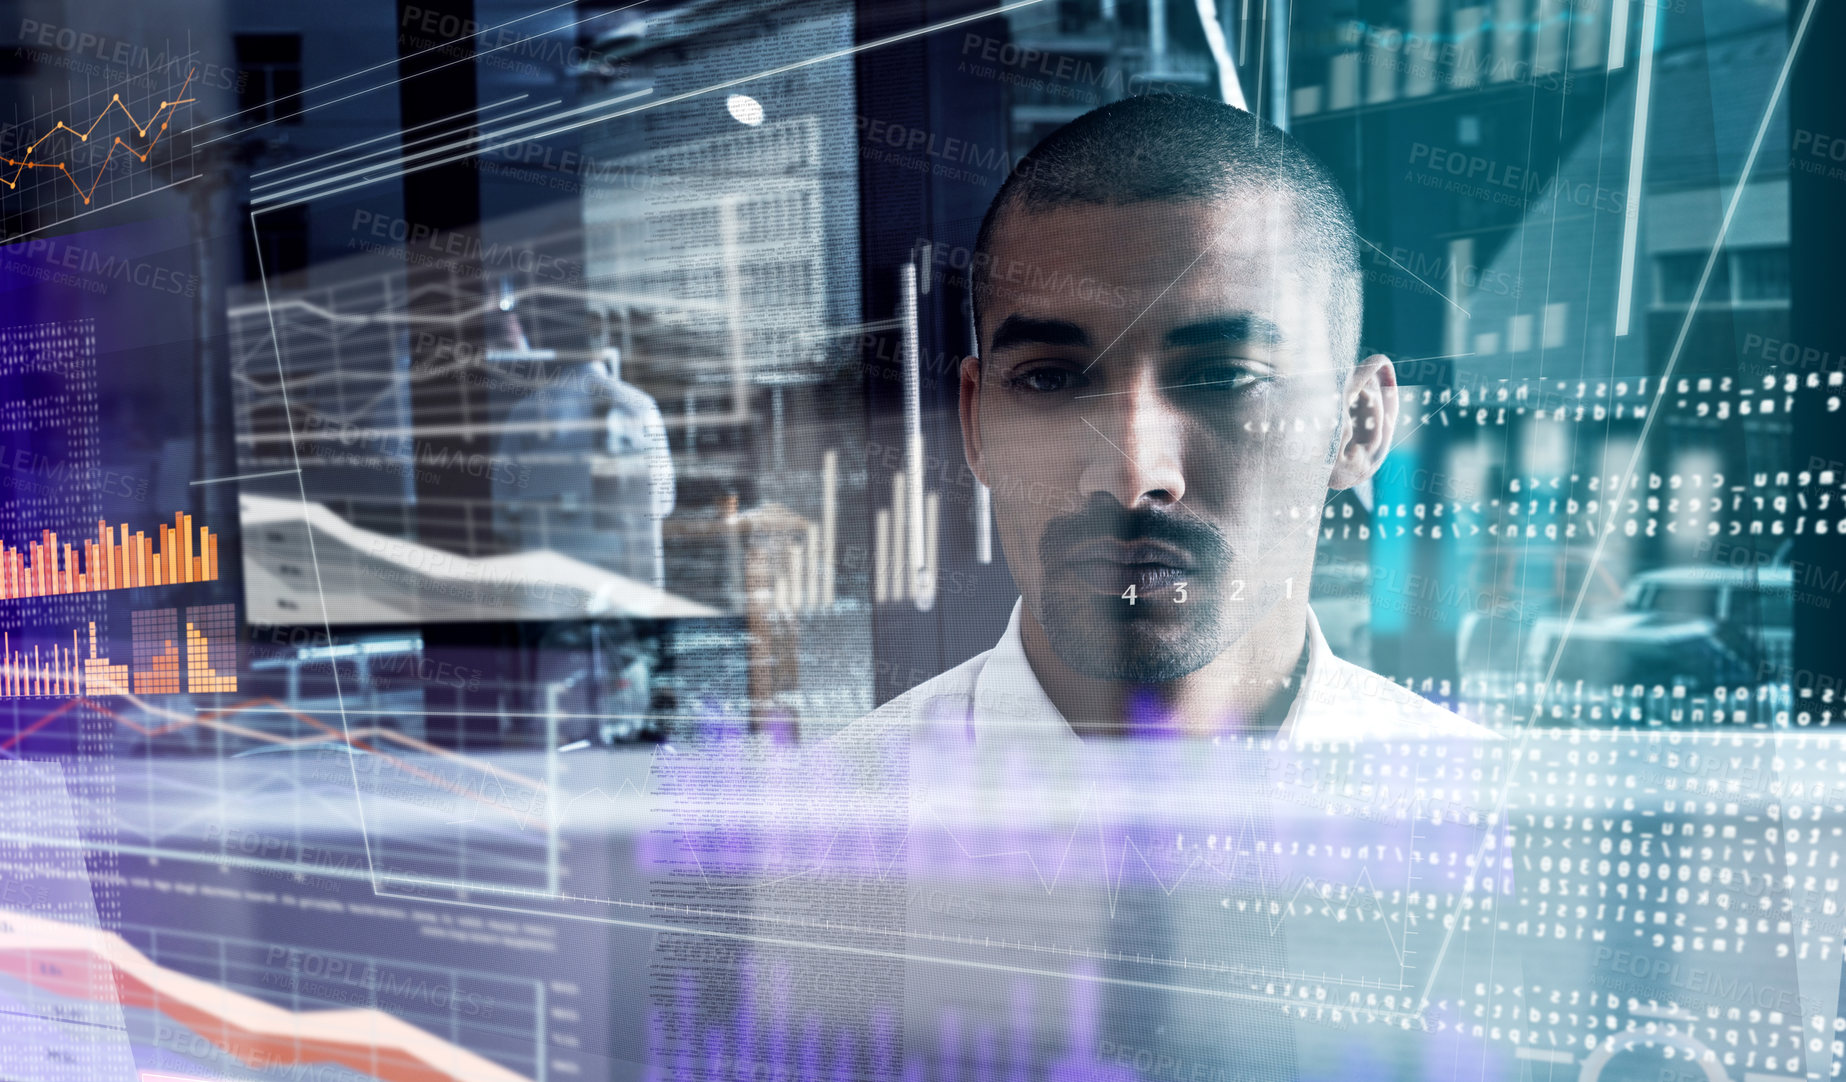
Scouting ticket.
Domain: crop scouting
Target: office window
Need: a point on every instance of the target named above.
(282, 236)
(269, 83)
(1761, 274)
(1676, 276)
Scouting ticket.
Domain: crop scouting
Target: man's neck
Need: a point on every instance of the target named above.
(1248, 688)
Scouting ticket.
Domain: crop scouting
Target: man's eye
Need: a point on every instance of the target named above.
(1226, 379)
(1046, 380)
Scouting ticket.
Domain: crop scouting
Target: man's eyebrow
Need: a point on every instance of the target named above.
(1253, 330)
(1031, 331)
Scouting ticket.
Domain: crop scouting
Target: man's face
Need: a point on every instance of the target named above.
(1158, 413)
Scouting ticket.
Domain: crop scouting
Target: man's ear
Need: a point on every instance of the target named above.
(1371, 419)
(971, 416)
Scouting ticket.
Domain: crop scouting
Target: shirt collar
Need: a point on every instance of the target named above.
(1008, 699)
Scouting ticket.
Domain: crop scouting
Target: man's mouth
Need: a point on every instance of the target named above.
(1154, 569)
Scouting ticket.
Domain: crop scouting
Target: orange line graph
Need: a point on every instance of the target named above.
(25, 162)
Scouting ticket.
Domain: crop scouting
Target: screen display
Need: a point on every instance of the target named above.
(1066, 540)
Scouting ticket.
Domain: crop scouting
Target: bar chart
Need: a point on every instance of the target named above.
(54, 670)
(111, 560)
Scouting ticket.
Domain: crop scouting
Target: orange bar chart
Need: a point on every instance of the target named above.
(111, 560)
(38, 672)
(156, 634)
(58, 671)
(211, 648)
(99, 676)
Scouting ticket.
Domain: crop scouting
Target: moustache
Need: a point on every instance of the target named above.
(1104, 519)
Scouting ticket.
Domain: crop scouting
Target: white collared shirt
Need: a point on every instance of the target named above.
(996, 696)
(980, 787)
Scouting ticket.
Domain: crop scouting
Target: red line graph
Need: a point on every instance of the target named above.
(91, 965)
(25, 161)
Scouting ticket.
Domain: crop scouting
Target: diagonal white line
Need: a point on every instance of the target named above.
(1445, 297)
(1634, 460)
(1685, 326)
(245, 477)
(398, 60)
(339, 694)
(1229, 87)
(401, 146)
(1195, 262)
(1212, 383)
(1150, 304)
(369, 172)
(98, 210)
(1637, 160)
(685, 95)
(1162, 387)
(1131, 461)
(398, 134)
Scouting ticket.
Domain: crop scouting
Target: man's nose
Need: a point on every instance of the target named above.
(1135, 451)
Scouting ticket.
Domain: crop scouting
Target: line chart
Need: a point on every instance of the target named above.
(26, 160)
(72, 152)
(72, 970)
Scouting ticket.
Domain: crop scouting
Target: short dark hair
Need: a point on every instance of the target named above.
(1178, 148)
